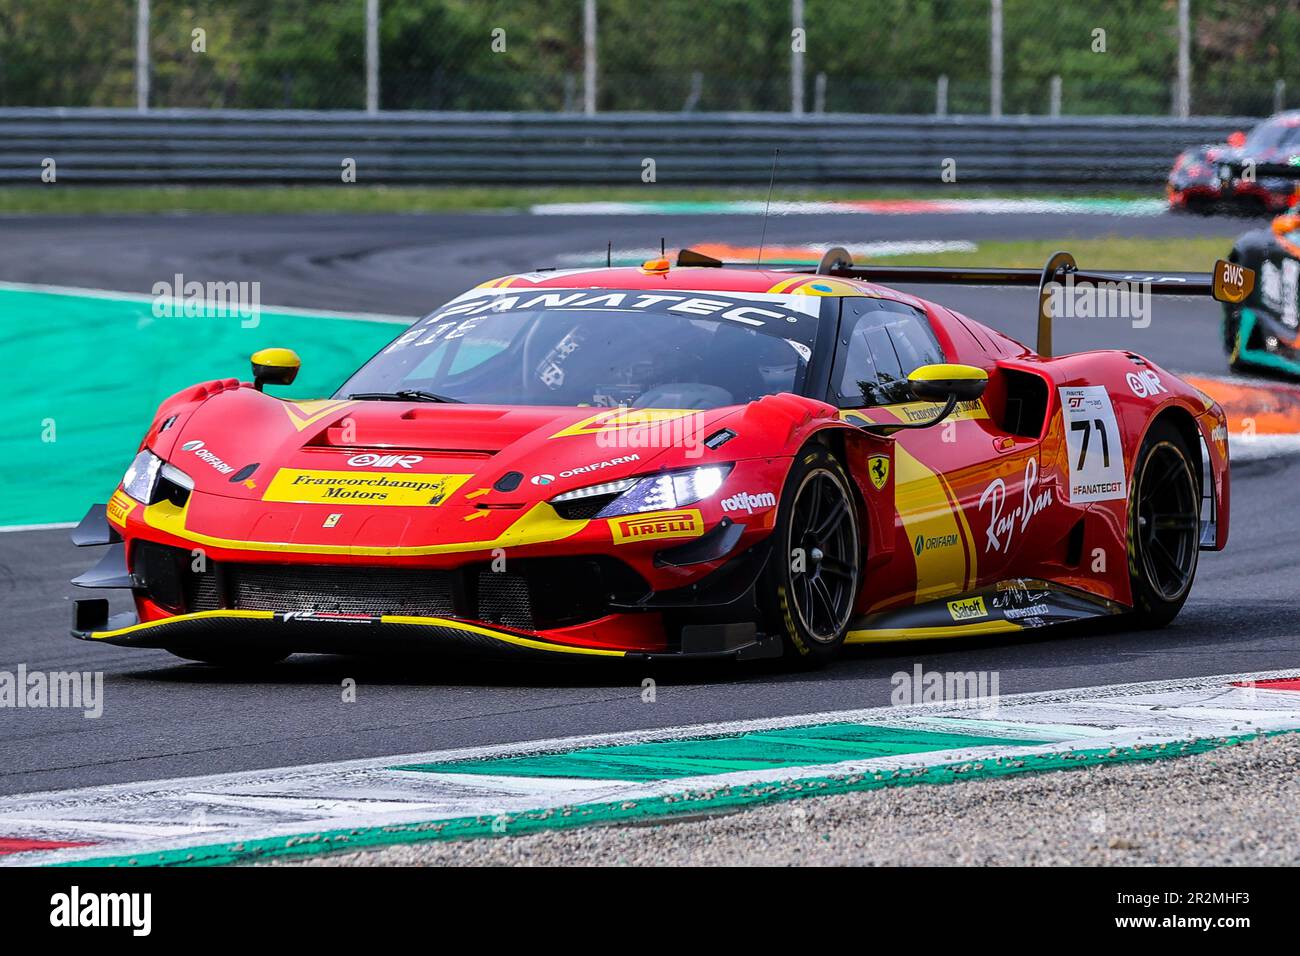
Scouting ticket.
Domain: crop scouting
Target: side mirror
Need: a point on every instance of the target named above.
(938, 383)
(949, 384)
(275, 367)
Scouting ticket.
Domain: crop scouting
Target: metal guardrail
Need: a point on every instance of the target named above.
(224, 146)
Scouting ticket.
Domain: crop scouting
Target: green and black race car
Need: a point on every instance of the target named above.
(1262, 333)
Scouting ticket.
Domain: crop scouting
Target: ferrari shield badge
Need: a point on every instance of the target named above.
(878, 469)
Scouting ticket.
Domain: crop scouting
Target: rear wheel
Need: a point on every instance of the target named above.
(814, 572)
(1164, 526)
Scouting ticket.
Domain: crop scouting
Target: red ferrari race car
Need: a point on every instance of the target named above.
(675, 460)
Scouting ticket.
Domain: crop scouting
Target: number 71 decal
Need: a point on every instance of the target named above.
(1086, 428)
(1096, 450)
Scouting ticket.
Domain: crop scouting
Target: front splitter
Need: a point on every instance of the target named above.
(320, 633)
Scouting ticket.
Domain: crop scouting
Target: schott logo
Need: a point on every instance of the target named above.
(384, 461)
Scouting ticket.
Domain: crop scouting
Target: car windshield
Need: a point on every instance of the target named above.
(1272, 135)
(599, 347)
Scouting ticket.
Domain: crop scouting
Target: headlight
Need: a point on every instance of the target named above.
(177, 477)
(150, 479)
(141, 478)
(672, 489)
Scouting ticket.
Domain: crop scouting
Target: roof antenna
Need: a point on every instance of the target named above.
(763, 238)
(662, 253)
(609, 254)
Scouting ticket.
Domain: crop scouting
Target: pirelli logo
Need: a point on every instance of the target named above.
(119, 508)
(970, 609)
(661, 524)
(361, 487)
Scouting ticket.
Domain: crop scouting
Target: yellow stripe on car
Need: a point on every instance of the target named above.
(500, 635)
(786, 284)
(179, 618)
(911, 412)
(308, 412)
(625, 419)
(824, 286)
(938, 538)
(539, 525)
(931, 633)
(446, 623)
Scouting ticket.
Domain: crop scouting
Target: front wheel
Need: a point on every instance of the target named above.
(814, 572)
(1164, 526)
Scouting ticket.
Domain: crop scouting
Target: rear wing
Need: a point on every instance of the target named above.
(1229, 282)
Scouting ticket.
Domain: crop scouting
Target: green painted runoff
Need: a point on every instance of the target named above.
(85, 374)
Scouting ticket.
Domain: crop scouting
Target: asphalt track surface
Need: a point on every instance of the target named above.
(166, 718)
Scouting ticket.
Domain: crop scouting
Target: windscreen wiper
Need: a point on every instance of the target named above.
(405, 395)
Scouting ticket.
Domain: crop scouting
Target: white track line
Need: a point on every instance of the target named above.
(145, 298)
(139, 818)
(51, 526)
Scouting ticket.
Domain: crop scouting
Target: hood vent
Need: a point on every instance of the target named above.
(394, 440)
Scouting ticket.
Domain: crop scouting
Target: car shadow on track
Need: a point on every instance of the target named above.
(1197, 633)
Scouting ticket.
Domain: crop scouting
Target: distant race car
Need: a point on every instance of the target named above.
(684, 460)
(1247, 173)
(1262, 333)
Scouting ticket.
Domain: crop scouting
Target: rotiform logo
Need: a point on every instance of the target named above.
(747, 503)
(74, 908)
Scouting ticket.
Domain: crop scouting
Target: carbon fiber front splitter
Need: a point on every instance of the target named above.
(320, 633)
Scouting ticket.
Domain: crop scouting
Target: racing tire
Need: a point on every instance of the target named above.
(815, 569)
(1163, 526)
(1232, 336)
